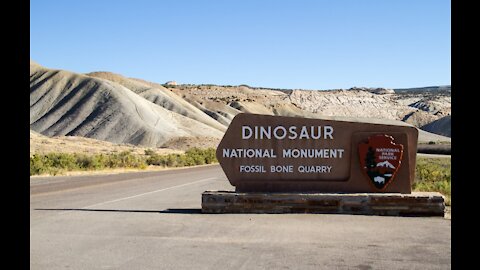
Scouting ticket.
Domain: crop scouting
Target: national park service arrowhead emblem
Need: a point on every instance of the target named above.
(380, 159)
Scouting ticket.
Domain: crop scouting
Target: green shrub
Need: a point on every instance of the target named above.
(95, 162)
(174, 160)
(52, 163)
(125, 159)
(149, 152)
(210, 155)
(56, 163)
(37, 164)
(201, 156)
(434, 174)
(192, 157)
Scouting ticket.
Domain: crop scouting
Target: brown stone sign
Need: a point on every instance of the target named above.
(264, 153)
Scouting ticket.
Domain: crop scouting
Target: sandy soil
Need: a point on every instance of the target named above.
(40, 144)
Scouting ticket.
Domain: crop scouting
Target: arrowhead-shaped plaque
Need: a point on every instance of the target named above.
(380, 159)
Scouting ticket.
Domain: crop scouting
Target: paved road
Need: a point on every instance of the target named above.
(152, 220)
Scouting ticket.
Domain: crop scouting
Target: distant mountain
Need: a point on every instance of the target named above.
(386, 164)
(111, 107)
(442, 88)
(442, 126)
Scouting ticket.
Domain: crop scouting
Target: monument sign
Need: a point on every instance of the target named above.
(263, 153)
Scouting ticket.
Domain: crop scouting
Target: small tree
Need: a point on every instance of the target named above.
(370, 159)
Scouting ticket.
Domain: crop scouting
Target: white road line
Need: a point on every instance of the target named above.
(146, 193)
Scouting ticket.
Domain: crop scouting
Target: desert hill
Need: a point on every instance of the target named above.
(160, 96)
(110, 107)
(441, 126)
(223, 102)
(67, 103)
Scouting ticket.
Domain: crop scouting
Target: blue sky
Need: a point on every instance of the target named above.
(282, 44)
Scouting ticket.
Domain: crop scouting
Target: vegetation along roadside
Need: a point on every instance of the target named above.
(59, 163)
(434, 174)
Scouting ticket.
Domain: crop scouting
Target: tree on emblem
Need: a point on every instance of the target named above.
(370, 159)
(372, 170)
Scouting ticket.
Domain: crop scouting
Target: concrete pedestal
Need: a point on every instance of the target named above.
(388, 204)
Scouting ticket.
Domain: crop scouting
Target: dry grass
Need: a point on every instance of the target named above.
(434, 175)
(40, 144)
(185, 143)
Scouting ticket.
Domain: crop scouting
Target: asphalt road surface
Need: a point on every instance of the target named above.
(152, 220)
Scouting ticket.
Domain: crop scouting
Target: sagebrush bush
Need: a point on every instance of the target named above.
(194, 156)
(434, 174)
(56, 163)
(126, 160)
(149, 152)
(52, 163)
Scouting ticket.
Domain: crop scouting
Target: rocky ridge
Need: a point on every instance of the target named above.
(114, 108)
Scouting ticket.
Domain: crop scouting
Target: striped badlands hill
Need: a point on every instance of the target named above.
(67, 103)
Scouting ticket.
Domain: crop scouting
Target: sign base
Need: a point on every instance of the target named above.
(383, 204)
